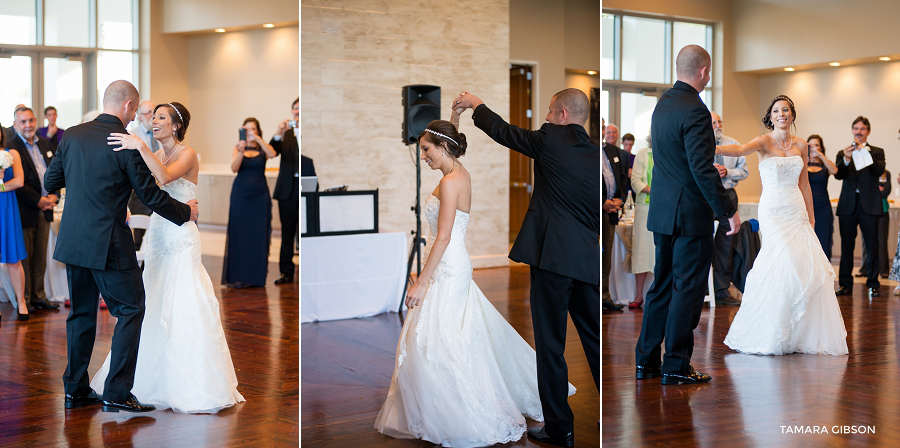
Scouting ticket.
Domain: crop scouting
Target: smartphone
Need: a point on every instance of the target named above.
(292, 123)
(243, 134)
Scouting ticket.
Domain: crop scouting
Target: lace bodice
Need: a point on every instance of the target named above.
(181, 189)
(780, 172)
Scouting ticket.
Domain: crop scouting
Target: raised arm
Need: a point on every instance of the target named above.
(528, 143)
(163, 174)
(804, 185)
(757, 144)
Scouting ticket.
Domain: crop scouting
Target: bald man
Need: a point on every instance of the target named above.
(686, 198)
(98, 250)
(142, 127)
(559, 240)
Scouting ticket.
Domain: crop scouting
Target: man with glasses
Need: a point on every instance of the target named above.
(142, 127)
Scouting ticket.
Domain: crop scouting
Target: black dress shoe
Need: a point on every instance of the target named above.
(728, 301)
(45, 305)
(645, 373)
(73, 402)
(860, 274)
(874, 292)
(130, 405)
(30, 308)
(843, 291)
(610, 306)
(283, 278)
(23, 317)
(690, 377)
(539, 435)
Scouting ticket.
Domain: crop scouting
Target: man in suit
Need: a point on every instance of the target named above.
(859, 166)
(558, 240)
(142, 127)
(98, 249)
(686, 198)
(287, 190)
(35, 205)
(614, 192)
(626, 159)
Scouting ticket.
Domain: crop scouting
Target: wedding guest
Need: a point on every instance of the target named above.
(613, 189)
(287, 189)
(819, 169)
(643, 251)
(12, 243)
(731, 170)
(626, 160)
(884, 264)
(10, 132)
(628, 147)
(250, 212)
(35, 205)
(51, 131)
(142, 126)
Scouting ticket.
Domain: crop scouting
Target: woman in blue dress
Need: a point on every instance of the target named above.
(250, 213)
(819, 168)
(12, 244)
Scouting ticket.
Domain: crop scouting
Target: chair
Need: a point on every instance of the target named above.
(139, 222)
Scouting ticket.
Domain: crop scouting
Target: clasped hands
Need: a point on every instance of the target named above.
(612, 205)
(465, 100)
(47, 202)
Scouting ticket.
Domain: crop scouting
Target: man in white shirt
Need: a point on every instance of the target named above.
(732, 170)
(142, 127)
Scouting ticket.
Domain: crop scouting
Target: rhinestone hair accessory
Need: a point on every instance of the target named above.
(176, 111)
(442, 135)
(783, 97)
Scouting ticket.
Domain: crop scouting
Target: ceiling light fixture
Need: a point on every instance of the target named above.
(834, 64)
(789, 69)
(220, 30)
(269, 25)
(884, 58)
(592, 72)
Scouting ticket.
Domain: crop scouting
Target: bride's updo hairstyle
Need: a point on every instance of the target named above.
(442, 131)
(767, 118)
(179, 116)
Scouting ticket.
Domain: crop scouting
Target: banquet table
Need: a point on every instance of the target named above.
(622, 287)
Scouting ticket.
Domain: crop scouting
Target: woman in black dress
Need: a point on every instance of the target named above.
(819, 169)
(250, 214)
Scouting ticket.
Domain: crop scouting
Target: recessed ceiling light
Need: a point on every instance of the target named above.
(592, 72)
(220, 30)
(884, 58)
(269, 25)
(789, 69)
(834, 64)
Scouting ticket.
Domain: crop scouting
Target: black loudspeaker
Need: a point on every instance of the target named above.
(421, 105)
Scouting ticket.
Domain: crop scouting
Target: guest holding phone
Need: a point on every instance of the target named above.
(250, 214)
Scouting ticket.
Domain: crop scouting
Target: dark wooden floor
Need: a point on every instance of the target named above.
(346, 370)
(261, 328)
(750, 397)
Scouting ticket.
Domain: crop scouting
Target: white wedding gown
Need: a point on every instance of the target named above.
(462, 376)
(183, 358)
(789, 305)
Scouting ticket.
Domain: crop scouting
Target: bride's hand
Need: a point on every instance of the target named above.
(124, 141)
(416, 294)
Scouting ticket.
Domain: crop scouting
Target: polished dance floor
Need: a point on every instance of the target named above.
(346, 368)
(261, 328)
(789, 400)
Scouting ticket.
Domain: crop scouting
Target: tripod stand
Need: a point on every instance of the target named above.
(418, 241)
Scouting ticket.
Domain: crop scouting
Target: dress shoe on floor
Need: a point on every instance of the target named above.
(610, 306)
(129, 405)
(874, 292)
(282, 278)
(645, 373)
(843, 291)
(30, 308)
(45, 305)
(539, 435)
(728, 301)
(68, 303)
(23, 317)
(690, 377)
(73, 402)
(860, 274)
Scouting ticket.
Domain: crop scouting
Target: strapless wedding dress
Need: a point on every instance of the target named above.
(462, 376)
(789, 305)
(183, 359)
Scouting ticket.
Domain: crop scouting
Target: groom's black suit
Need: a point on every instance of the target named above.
(859, 204)
(686, 198)
(559, 240)
(98, 249)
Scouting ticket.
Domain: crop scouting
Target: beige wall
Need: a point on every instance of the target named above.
(582, 31)
(180, 16)
(354, 63)
(164, 59)
(582, 82)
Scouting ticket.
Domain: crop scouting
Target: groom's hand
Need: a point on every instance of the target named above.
(735, 223)
(195, 210)
(466, 100)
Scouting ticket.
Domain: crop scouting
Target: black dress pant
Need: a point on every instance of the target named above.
(884, 260)
(138, 208)
(123, 292)
(674, 302)
(868, 225)
(552, 296)
(723, 254)
(288, 211)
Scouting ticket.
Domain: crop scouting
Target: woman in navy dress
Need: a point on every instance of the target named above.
(12, 243)
(819, 169)
(250, 213)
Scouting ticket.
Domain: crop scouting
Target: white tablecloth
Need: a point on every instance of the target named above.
(56, 285)
(343, 277)
(622, 286)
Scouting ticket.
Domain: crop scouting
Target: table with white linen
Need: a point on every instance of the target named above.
(348, 276)
(622, 286)
(56, 285)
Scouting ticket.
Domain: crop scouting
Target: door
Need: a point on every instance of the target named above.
(630, 108)
(41, 79)
(520, 167)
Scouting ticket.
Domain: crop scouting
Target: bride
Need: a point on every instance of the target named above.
(789, 304)
(183, 361)
(462, 375)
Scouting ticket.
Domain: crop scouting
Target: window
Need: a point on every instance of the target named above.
(17, 22)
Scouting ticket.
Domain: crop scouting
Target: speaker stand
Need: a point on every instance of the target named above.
(417, 241)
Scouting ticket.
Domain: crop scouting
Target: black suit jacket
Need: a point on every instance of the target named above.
(865, 180)
(288, 181)
(30, 193)
(98, 183)
(561, 229)
(687, 194)
(613, 153)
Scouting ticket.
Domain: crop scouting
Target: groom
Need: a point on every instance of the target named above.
(559, 240)
(687, 197)
(98, 249)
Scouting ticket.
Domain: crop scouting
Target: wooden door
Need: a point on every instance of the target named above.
(520, 167)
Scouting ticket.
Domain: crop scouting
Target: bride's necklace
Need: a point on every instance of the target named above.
(177, 148)
(790, 141)
(455, 164)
